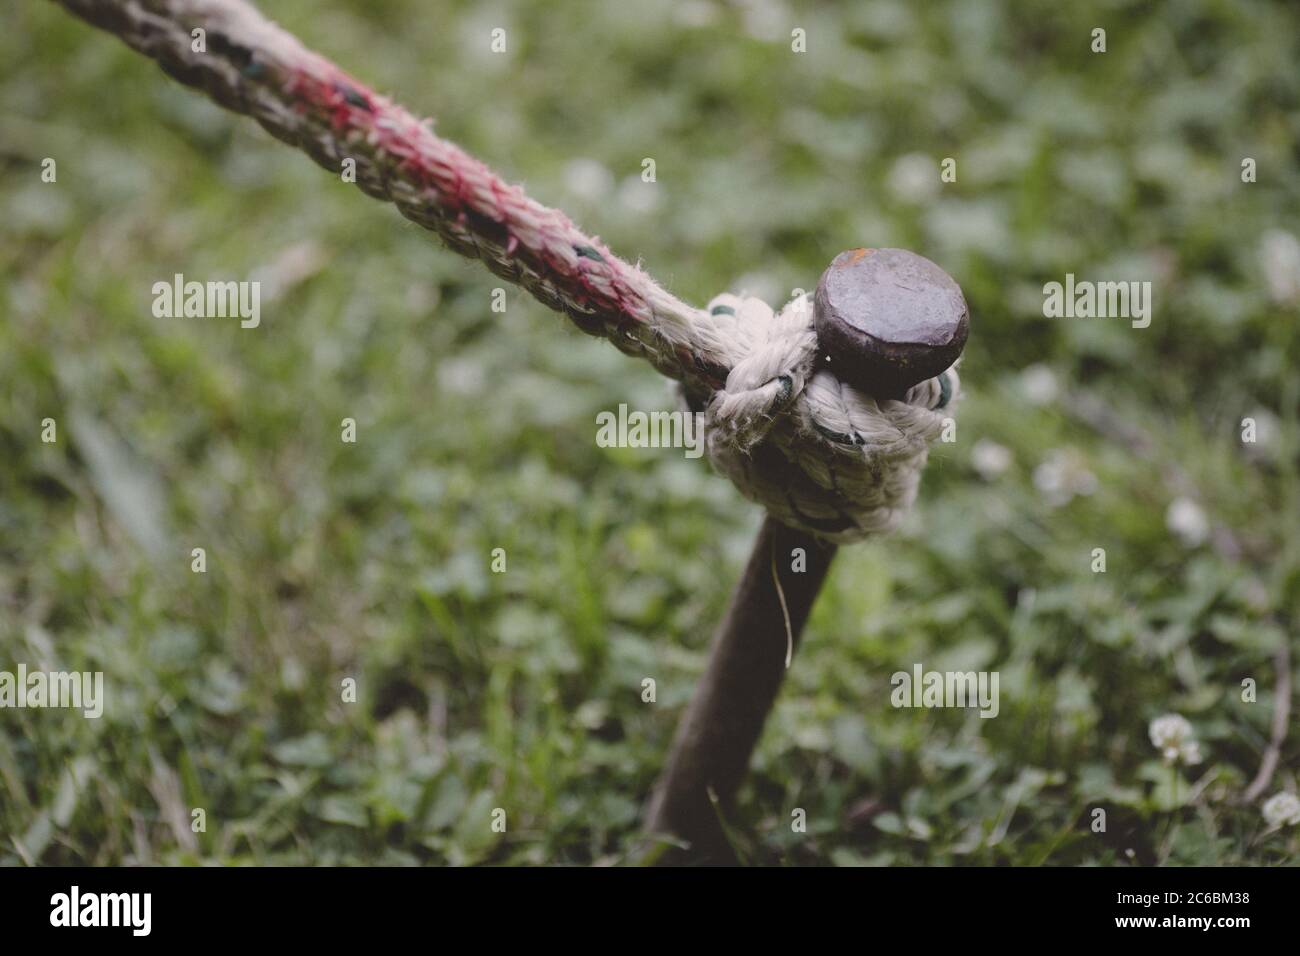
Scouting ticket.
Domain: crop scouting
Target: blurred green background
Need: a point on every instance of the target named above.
(476, 431)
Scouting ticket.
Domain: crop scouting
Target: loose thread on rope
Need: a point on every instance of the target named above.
(785, 611)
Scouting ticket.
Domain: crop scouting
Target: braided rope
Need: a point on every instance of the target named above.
(818, 454)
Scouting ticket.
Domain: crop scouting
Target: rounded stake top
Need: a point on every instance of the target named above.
(888, 319)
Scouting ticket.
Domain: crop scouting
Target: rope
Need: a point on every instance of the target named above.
(816, 453)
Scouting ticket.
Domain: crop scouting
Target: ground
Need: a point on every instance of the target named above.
(477, 690)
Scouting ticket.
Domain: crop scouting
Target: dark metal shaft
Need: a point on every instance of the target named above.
(716, 737)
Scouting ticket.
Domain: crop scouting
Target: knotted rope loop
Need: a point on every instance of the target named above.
(817, 453)
(771, 356)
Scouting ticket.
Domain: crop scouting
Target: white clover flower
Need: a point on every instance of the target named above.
(1282, 809)
(1062, 476)
(1280, 253)
(1186, 519)
(1038, 385)
(1173, 736)
(989, 459)
(638, 196)
(1267, 428)
(588, 179)
(914, 178)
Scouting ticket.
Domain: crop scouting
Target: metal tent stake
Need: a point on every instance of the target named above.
(888, 319)
(717, 735)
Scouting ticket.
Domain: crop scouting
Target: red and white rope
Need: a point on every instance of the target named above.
(252, 66)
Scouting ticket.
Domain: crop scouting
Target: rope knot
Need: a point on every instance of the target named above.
(816, 452)
(774, 353)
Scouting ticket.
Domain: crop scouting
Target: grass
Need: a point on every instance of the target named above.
(522, 691)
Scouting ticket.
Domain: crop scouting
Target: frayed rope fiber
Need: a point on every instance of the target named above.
(817, 453)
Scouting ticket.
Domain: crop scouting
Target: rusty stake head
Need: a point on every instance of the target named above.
(888, 318)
